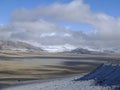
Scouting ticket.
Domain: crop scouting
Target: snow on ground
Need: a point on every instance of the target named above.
(66, 83)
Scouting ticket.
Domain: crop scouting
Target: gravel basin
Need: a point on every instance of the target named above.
(64, 83)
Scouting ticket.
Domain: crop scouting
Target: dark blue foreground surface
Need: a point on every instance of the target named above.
(104, 75)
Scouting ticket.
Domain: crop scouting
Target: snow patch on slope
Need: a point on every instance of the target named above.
(58, 48)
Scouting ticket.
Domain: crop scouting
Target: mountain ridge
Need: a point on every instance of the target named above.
(17, 46)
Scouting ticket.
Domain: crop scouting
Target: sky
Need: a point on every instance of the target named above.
(8, 6)
(62, 23)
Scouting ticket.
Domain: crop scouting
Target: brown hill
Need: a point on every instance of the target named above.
(17, 46)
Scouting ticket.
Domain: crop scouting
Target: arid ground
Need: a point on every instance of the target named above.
(18, 67)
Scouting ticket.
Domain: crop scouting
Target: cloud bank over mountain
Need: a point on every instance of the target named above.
(39, 25)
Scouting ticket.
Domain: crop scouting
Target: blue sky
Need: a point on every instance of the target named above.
(69, 20)
(109, 7)
(8, 6)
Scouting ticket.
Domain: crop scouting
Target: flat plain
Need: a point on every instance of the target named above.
(16, 68)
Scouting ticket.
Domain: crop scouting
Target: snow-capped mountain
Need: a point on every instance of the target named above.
(58, 48)
(7, 46)
(93, 51)
(17, 46)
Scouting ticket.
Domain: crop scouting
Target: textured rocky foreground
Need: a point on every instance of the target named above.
(67, 83)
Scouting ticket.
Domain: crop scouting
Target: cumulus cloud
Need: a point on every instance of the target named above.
(38, 25)
(41, 31)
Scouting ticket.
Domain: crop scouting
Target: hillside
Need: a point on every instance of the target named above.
(94, 52)
(17, 46)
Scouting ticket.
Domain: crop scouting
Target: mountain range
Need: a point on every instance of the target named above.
(17, 46)
(88, 51)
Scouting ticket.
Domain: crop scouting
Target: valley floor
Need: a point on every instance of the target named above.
(66, 83)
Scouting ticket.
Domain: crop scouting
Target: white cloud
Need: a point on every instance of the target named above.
(47, 34)
(37, 25)
(75, 11)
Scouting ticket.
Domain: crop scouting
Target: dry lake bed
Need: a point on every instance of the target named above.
(15, 69)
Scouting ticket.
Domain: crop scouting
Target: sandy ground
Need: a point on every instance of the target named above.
(19, 67)
(66, 83)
